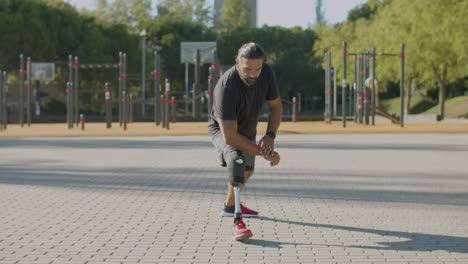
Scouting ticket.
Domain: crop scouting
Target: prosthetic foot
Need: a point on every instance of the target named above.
(239, 231)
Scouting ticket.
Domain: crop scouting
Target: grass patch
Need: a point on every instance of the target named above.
(456, 107)
(419, 104)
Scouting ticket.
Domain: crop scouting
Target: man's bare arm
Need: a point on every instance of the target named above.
(274, 119)
(267, 144)
(236, 140)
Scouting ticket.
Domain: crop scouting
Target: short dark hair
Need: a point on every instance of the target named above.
(251, 50)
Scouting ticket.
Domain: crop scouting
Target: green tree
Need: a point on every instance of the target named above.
(235, 13)
(435, 46)
(132, 13)
(197, 10)
(365, 11)
(168, 32)
(49, 31)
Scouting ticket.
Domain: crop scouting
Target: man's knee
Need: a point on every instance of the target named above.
(236, 167)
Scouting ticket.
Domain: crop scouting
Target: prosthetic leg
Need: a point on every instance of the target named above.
(239, 231)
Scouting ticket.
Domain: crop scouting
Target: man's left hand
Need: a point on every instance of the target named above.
(267, 146)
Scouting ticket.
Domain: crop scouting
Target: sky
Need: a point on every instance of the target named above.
(285, 13)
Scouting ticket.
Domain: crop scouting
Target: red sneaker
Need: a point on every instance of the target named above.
(246, 212)
(240, 231)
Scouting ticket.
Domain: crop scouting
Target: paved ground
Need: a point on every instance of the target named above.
(381, 198)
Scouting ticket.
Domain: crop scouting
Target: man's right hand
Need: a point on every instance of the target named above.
(273, 158)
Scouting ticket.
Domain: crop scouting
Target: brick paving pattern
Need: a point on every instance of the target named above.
(382, 198)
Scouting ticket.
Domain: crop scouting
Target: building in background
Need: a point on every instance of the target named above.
(218, 6)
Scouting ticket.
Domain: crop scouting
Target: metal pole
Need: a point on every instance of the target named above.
(402, 84)
(82, 121)
(373, 86)
(294, 109)
(186, 88)
(124, 110)
(163, 105)
(76, 91)
(21, 99)
(329, 89)
(344, 87)
(125, 92)
(130, 107)
(37, 97)
(174, 109)
(355, 89)
(121, 67)
(108, 98)
(167, 102)
(335, 99)
(358, 88)
(70, 104)
(5, 108)
(143, 78)
(363, 90)
(70, 89)
(366, 89)
(196, 88)
(327, 84)
(157, 88)
(2, 121)
(28, 92)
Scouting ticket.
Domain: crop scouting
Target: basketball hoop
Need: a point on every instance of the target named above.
(188, 52)
(40, 75)
(43, 71)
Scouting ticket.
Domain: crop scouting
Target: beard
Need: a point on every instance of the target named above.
(249, 81)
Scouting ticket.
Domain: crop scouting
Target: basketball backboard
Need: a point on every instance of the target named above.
(43, 71)
(188, 51)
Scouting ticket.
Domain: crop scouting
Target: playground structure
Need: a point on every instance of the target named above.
(3, 108)
(360, 105)
(18, 107)
(165, 104)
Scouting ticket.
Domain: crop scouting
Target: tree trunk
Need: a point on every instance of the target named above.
(442, 95)
(442, 81)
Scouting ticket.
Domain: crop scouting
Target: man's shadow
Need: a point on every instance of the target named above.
(412, 242)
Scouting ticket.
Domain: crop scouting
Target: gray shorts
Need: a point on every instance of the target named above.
(227, 153)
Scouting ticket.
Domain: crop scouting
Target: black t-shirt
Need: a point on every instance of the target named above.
(233, 100)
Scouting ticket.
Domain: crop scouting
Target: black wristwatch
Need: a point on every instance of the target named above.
(271, 134)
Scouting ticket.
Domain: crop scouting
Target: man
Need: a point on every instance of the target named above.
(237, 103)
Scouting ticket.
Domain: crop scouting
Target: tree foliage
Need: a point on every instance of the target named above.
(434, 40)
(49, 31)
(235, 13)
(196, 10)
(131, 13)
(168, 32)
(364, 11)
